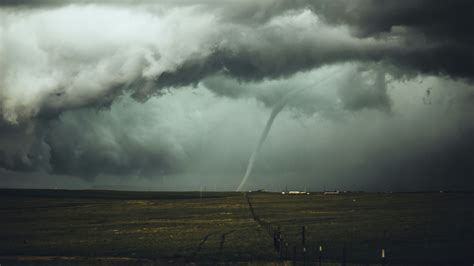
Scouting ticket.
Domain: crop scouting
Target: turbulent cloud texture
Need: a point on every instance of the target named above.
(168, 88)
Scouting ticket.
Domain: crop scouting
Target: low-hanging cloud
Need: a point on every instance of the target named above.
(70, 69)
(190, 135)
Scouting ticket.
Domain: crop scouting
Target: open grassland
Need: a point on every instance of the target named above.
(135, 228)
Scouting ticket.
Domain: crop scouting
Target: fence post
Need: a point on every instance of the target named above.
(344, 255)
(278, 236)
(304, 255)
(320, 254)
(281, 248)
(303, 241)
(382, 255)
(294, 255)
(275, 240)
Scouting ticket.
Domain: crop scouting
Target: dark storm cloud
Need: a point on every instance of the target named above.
(358, 87)
(82, 147)
(431, 37)
(281, 39)
(357, 93)
(64, 60)
(151, 139)
(441, 26)
(22, 147)
(375, 17)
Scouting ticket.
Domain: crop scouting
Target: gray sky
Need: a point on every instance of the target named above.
(174, 95)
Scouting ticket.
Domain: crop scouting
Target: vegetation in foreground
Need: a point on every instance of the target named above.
(135, 228)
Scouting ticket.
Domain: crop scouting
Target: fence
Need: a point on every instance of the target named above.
(323, 252)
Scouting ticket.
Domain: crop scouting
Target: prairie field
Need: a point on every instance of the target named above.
(61, 227)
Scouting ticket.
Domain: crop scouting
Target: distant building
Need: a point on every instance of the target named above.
(294, 192)
(331, 192)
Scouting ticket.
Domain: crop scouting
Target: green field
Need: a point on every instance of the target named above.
(63, 227)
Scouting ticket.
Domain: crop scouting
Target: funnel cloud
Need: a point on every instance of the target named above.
(173, 95)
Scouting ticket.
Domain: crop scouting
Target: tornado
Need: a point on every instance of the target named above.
(275, 111)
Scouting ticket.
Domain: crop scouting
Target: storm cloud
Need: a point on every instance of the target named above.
(176, 88)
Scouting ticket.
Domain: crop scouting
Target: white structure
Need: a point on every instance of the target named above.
(294, 192)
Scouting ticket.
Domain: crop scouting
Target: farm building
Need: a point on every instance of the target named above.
(294, 192)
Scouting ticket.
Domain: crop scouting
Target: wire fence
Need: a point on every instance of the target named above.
(291, 248)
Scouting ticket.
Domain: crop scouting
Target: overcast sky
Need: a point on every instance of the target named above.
(174, 95)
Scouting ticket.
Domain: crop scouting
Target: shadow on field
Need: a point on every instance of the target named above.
(199, 247)
(221, 244)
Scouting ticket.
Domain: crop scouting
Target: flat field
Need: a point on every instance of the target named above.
(61, 227)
